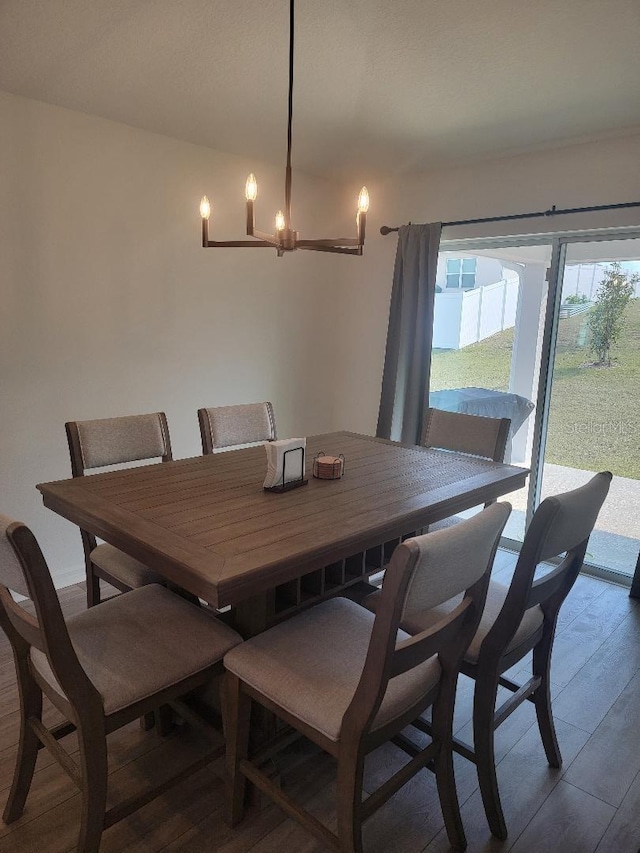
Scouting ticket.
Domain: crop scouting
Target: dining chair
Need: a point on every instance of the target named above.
(101, 669)
(114, 441)
(227, 426)
(517, 619)
(350, 681)
(462, 433)
(474, 434)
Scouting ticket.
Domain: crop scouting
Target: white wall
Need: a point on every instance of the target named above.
(603, 172)
(110, 305)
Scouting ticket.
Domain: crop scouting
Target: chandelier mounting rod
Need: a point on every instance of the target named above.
(287, 181)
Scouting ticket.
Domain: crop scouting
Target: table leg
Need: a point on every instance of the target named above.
(254, 615)
(251, 617)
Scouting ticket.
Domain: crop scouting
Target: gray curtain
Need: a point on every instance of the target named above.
(407, 363)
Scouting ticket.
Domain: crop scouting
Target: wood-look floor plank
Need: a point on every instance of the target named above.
(593, 690)
(585, 591)
(381, 764)
(623, 833)
(510, 732)
(51, 785)
(290, 835)
(56, 826)
(167, 818)
(569, 820)
(9, 736)
(304, 783)
(525, 781)
(584, 635)
(610, 760)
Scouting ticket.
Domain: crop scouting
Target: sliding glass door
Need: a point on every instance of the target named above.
(490, 307)
(593, 421)
(547, 333)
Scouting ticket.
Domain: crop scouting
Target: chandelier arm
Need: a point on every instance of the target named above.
(287, 180)
(338, 250)
(336, 241)
(266, 238)
(246, 244)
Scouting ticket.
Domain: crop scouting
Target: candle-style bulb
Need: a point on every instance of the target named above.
(280, 223)
(205, 208)
(363, 200)
(251, 188)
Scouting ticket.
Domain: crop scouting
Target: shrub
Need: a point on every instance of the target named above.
(576, 299)
(606, 318)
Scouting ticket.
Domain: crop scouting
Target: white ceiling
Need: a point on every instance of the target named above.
(381, 85)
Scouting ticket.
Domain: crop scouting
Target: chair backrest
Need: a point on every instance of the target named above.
(562, 524)
(226, 426)
(114, 441)
(23, 570)
(466, 433)
(426, 571)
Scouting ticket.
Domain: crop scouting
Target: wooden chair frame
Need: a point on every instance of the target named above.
(81, 705)
(206, 435)
(95, 573)
(550, 592)
(448, 639)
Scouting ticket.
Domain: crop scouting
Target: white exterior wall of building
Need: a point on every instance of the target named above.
(488, 270)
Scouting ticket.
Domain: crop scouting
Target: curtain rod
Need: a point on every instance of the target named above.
(553, 211)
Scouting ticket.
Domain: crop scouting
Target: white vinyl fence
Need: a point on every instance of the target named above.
(464, 317)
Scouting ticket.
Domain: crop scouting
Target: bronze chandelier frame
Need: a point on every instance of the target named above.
(286, 239)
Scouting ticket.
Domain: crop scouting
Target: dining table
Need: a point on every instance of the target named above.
(207, 525)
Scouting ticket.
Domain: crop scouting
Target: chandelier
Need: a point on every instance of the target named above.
(286, 239)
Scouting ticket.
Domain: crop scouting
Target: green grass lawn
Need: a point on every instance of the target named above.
(595, 412)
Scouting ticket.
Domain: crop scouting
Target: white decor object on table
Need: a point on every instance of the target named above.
(283, 471)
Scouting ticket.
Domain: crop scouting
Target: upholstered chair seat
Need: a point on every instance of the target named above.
(130, 571)
(419, 621)
(138, 644)
(311, 666)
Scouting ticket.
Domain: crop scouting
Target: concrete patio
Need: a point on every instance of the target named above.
(615, 541)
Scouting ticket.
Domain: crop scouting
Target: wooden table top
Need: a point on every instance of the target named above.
(207, 524)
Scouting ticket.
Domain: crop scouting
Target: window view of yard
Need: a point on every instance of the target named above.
(594, 420)
(485, 361)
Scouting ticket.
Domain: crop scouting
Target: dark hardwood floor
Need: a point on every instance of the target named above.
(591, 804)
